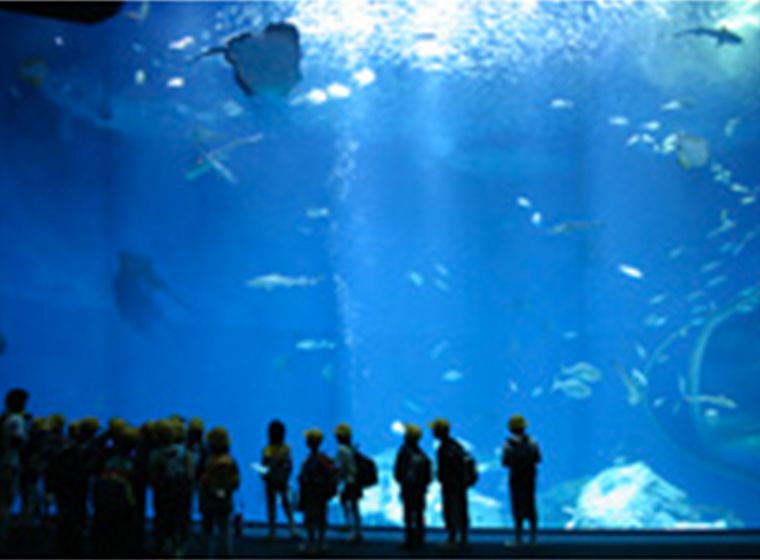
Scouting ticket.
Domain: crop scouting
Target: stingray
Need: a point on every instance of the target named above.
(137, 288)
(266, 62)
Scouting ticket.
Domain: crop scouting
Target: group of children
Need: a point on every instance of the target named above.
(98, 481)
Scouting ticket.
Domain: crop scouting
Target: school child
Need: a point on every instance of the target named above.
(277, 460)
(413, 472)
(318, 484)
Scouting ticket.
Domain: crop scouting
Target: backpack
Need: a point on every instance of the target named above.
(366, 470)
(467, 466)
(321, 475)
(418, 472)
(175, 473)
(113, 492)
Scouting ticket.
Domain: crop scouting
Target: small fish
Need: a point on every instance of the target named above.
(726, 224)
(676, 252)
(681, 385)
(695, 295)
(536, 219)
(415, 278)
(523, 202)
(583, 371)
(182, 43)
(716, 400)
(726, 247)
(563, 228)
(537, 392)
(631, 271)
(442, 270)
(639, 377)
(634, 391)
(328, 372)
(618, 120)
(676, 105)
(232, 108)
(513, 386)
(712, 414)
(730, 127)
(452, 376)
(441, 285)
(658, 402)
(413, 406)
(310, 345)
(717, 281)
(315, 213)
(272, 281)
(439, 349)
(739, 188)
(658, 299)
(641, 352)
(573, 388)
(651, 126)
(710, 266)
(562, 104)
(655, 321)
(175, 82)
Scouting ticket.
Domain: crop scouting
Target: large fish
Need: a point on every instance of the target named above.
(137, 288)
(722, 35)
(267, 62)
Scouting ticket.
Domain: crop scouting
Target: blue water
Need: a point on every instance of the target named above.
(452, 187)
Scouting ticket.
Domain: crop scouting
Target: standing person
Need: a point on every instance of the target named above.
(456, 473)
(219, 479)
(413, 472)
(318, 483)
(348, 477)
(115, 518)
(34, 465)
(276, 458)
(521, 455)
(54, 445)
(199, 452)
(13, 439)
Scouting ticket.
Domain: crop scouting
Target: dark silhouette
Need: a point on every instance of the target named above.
(348, 477)
(219, 479)
(413, 472)
(13, 436)
(521, 455)
(456, 473)
(277, 460)
(318, 484)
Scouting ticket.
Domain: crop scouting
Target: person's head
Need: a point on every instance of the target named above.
(343, 433)
(115, 426)
(126, 439)
(276, 432)
(314, 438)
(218, 440)
(88, 428)
(412, 434)
(56, 422)
(15, 400)
(74, 430)
(179, 431)
(163, 433)
(195, 430)
(40, 425)
(441, 428)
(517, 424)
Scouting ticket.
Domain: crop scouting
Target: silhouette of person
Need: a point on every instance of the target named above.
(521, 455)
(413, 472)
(318, 483)
(279, 465)
(348, 475)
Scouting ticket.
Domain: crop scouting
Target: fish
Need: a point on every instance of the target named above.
(536, 219)
(618, 120)
(442, 270)
(573, 388)
(452, 376)
(513, 387)
(175, 82)
(583, 371)
(561, 104)
(273, 281)
(658, 402)
(182, 43)
(722, 35)
(651, 126)
(136, 289)
(726, 224)
(438, 349)
(441, 285)
(676, 252)
(715, 400)
(710, 266)
(633, 389)
(141, 14)
(415, 278)
(695, 295)
(523, 202)
(657, 299)
(310, 345)
(641, 352)
(638, 376)
(413, 406)
(692, 152)
(730, 126)
(676, 105)
(739, 188)
(212, 159)
(537, 392)
(655, 321)
(266, 62)
(631, 271)
(716, 281)
(578, 226)
(317, 213)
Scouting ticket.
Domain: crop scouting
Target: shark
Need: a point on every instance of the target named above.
(722, 35)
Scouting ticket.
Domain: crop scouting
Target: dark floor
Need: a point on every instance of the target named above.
(40, 543)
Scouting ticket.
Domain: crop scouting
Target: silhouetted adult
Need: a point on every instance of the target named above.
(521, 455)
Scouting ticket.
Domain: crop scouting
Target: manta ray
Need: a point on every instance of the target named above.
(266, 62)
(137, 288)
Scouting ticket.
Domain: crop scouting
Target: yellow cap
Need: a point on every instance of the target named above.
(40, 424)
(116, 425)
(413, 431)
(343, 430)
(218, 437)
(517, 423)
(314, 435)
(196, 425)
(57, 422)
(89, 425)
(440, 424)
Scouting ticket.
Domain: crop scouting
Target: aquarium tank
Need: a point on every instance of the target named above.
(462, 209)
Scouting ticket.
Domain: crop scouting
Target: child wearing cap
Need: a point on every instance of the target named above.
(413, 472)
(318, 483)
(521, 455)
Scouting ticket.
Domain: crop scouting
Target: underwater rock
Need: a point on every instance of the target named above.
(633, 496)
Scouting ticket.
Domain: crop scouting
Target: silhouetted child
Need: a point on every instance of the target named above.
(219, 479)
(53, 448)
(413, 472)
(277, 460)
(521, 455)
(456, 473)
(318, 483)
(115, 519)
(34, 460)
(171, 476)
(348, 476)
(13, 439)
(199, 453)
